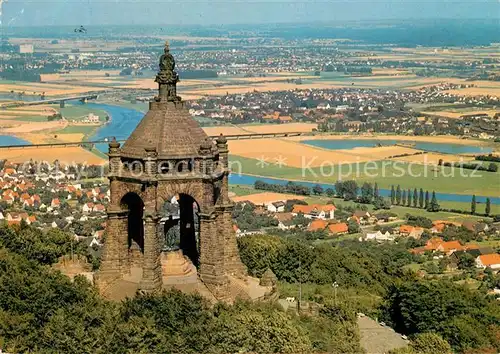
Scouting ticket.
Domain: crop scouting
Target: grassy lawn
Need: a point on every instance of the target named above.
(401, 211)
(431, 178)
(440, 215)
(241, 190)
(77, 112)
(139, 106)
(86, 130)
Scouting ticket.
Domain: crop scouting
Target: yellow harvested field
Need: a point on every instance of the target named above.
(28, 127)
(70, 137)
(49, 89)
(435, 139)
(65, 155)
(226, 130)
(386, 71)
(261, 129)
(273, 78)
(65, 46)
(260, 87)
(281, 128)
(149, 83)
(455, 115)
(266, 198)
(477, 91)
(20, 112)
(433, 158)
(295, 154)
(80, 75)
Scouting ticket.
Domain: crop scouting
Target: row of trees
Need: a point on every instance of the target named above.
(489, 157)
(290, 187)
(41, 310)
(466, 318)
(492, 167)
(473, 206)
(414, 199)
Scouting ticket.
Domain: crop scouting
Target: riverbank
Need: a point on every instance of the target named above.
(446, 181)
(441, 139)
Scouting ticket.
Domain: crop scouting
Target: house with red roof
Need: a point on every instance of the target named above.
(411, 231)
(338, 229)
(488, 261)
(88, 207)
(55, 203)
(315, 211)
(317, 225)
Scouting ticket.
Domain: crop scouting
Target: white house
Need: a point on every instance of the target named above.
(276, 207)
(315, 211)
(379, 236)
(88, 207)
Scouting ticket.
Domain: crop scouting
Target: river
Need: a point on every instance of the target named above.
(446, 148)
(124, 120)
(250, 180)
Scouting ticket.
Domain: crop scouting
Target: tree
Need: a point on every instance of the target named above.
(409, 198)
(330, 192)
(493, 167)
(393, 195)
(366, 193)
(430, 343)
(434, 206)
(317, 189)
(353, 227)
(350, 189)
(487, 208)
(415, 198)
(398, 195)
(421, 198)
(403, 198)
(381, 203)
(375, 191)
(473, 205)
(426, 206)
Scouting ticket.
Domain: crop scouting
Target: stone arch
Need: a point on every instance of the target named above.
(134, 204)
(165, 192)
(179, 226)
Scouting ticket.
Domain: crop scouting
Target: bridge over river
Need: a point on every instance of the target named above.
(108, 139)
(60, 100)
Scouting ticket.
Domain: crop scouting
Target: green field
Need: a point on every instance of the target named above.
(83, 129)
(30, 118)
(78, 112)
(242, 190)
(431, 178)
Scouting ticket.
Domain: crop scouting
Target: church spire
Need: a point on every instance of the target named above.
(167, 78)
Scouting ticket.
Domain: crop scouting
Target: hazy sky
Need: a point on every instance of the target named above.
(203, 12)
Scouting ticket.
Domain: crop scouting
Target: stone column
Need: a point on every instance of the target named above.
(150, 164)
(212, 257)
(232, 262)
(114, 158)
(151, 277)
(114, 262)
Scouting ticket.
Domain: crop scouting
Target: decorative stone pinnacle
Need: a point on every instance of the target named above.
(167, 77)
(114, 144)
(221, 139)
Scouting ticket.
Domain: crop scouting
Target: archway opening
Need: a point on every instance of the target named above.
(135, 223)
(180, 226)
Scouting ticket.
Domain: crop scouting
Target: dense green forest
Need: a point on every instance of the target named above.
(42, 311)
(373, 279)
